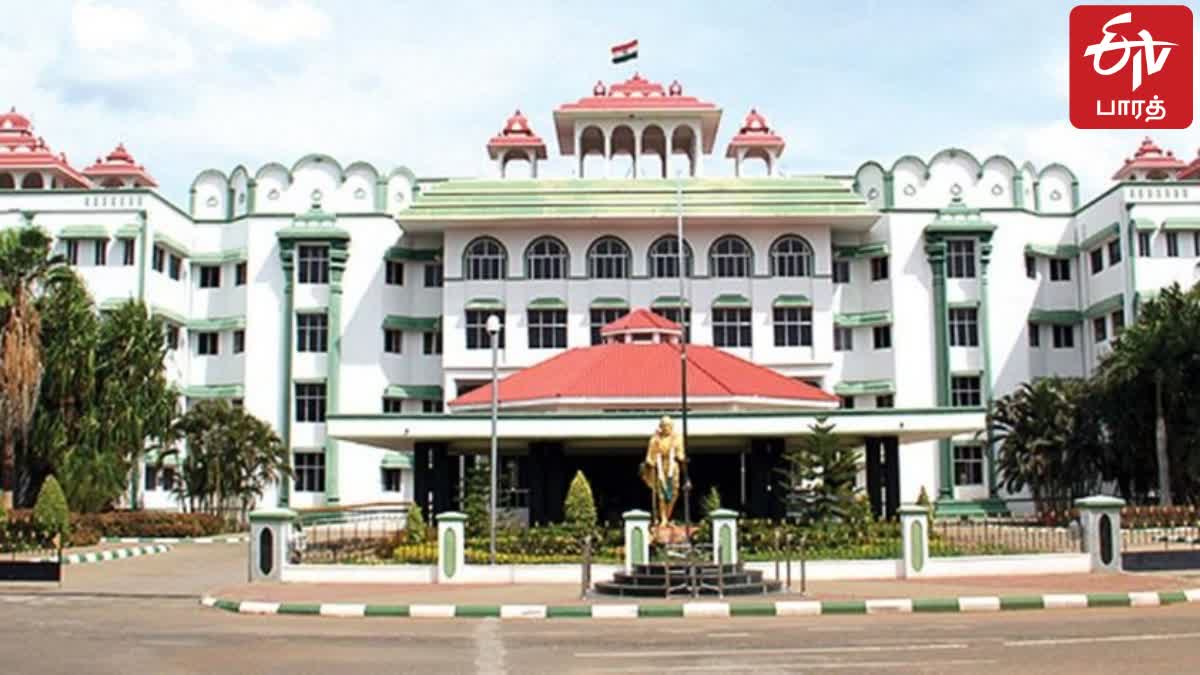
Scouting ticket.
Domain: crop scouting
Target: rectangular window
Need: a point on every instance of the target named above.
(847, 402)
(885, 401)
(1060, 269)
(392, 479)
(793, 326)
(310, 401)
(239, 341)
(312, 332)
(964, 327)
(394, 271)
(547, 328)
(1118, 321)
(432, 406)
(1097, 256)
(100, 252)
(312, 265)
(128, 246)
(72, 251)
(159, 259)
(392, 404)
(843, 339)
(1100, 328)
(239, 274)
(600, 318)
(433, 276)
(731, 327)
(151, 477)
(960, 258)
(172, 336)
(1114, 252)
(879, 268)
(208, 343)
(1064, 336)
(393, 341)
(210, 276)
(1030, 267)
(883, 336)
(431, 343)
(237, 402)
(965, 391)
(1035, 335)
(175, 268)
(673, 314)
(1172, 244)
(841, 271)
(1143, 244)
(1196, 243)
(477, 335)
(968, 465)
(310, 471)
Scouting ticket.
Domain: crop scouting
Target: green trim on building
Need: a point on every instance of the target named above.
(167, 241)
(864, 387)
(169, 315)
(1061, 317)
(110, 304)
(872, 249)
(339, 255)
(287, 260)
(413, 324)
(609, 303)
(1105, 307)
(1100, 236)
(856, 319)
(404, 254)
(964, 304)
(731, 300)
(1052, 250)
(208, 391)
(1181, 224)
(668, 302)
(958, 219)
(220, 257)
(217, 323)
(128, 231)
(547, 303)
(797, 300)
(484, 304)
(83, 232)
(312, 233)
(419, 392)
(396, 460)
(1144, 224)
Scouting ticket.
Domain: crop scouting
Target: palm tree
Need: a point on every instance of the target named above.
(27, 267)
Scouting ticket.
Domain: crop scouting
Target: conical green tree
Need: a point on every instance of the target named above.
(579, 508)
(818, 477)
(414, 526)
(50, 512)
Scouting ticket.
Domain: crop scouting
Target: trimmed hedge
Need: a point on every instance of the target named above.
(88, 528)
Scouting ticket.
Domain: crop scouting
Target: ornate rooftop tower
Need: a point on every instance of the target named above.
(755, 140)
(1150, 163)
(118, 170)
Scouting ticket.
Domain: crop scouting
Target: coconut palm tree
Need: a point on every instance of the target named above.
(27, 267)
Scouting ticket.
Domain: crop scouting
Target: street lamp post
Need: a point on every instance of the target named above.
(683, 358)
(493, 329)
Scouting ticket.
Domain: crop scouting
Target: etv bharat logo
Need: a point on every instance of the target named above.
(1131, 67)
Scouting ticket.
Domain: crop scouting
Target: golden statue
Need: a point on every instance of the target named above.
(662, 469)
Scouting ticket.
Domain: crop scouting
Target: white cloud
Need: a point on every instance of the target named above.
(274, 25)
(121, 44)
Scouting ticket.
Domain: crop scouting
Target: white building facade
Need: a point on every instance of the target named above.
(345, 304)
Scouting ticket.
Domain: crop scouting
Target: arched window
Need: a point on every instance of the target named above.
(664, 257)
(546, 258)
(6, 181)
(485, 259)
(730, 257)
(32, 181)
(791, 256)
(608, 258)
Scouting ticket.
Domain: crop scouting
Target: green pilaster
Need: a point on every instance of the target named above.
(381, 194)
(1074, 195)
(135, 473)
(889, 190)
(1130, 306)
(338, 254)
(1018, 189)
(287, 257)
(1037, 199)
(192, 202)
(251, 189)
(985, 259)
(935, 251)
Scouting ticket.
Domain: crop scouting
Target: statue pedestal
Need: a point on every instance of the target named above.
(672, 533)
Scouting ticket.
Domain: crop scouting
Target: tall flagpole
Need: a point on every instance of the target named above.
(683, 345)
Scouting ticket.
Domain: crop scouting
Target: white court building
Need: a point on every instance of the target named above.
(345, 303)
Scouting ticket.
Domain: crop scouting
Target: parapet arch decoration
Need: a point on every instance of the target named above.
(1003, 159)
(273, 166)
(1059, 167)
(953, 153)
(360, 165)
(320, 158)
(210, 173)
(403, 171)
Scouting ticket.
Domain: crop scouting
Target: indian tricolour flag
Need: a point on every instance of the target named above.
(625, 52)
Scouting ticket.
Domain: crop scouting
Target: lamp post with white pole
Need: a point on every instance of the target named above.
(493, 329)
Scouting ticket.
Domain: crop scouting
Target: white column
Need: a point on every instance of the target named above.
(607, 153)
(451, 527)
(725, 536)
(1100, 517)
(914, 535)
(637, 538)
(637, 150)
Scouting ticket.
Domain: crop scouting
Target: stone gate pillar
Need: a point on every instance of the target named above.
(725, 536)
(270, 543)
(637, 538)
(914, 535)
(1100, 517)
(451, 542)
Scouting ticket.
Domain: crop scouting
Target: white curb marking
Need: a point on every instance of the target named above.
(614, 611)
(344, 610)
(208, 602)
(431, 611)
(522, 611)
(1065, 601)
(1149, 599)
(979, 604)
(253, 607)
(797, 608)
(705, 609)
(889, 606)
(1192, 595)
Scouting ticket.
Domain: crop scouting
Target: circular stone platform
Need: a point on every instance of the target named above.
(660, 580)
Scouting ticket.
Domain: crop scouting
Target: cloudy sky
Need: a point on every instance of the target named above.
(192, 84)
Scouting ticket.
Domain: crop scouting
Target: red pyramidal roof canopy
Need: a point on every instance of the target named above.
(516, 134)
(119, 164)
(21, 150)
(755, 133)
(642, 321)
(1149, 157)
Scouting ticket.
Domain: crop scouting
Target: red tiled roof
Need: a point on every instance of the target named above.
(120, 164)
(754, 133)
(638, 93)
(643, 371)
(1149, 156)
(20, 149)
(641, 320)
(516, 134)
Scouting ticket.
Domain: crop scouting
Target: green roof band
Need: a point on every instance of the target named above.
(792, 301)
(1181, 224)
(405, 254)
(312, 233)
(170, 242)
(220, 257)
(1060, 317)
(547, 303)
(610, 303)
(1144, 224)
(396, 460)
(857, 319)
(413, 324)
(1100, 237)
(128, 231)
(83, 232)
(422, 392)
(1052, 250)
(217, 323)
(485, 303)
(863, 387)
(667, 302)
(1105, 306)
(168, 314)
(731, 300)
(209, 391)
(872, 249)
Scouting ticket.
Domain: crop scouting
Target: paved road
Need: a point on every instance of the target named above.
(139, 627)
